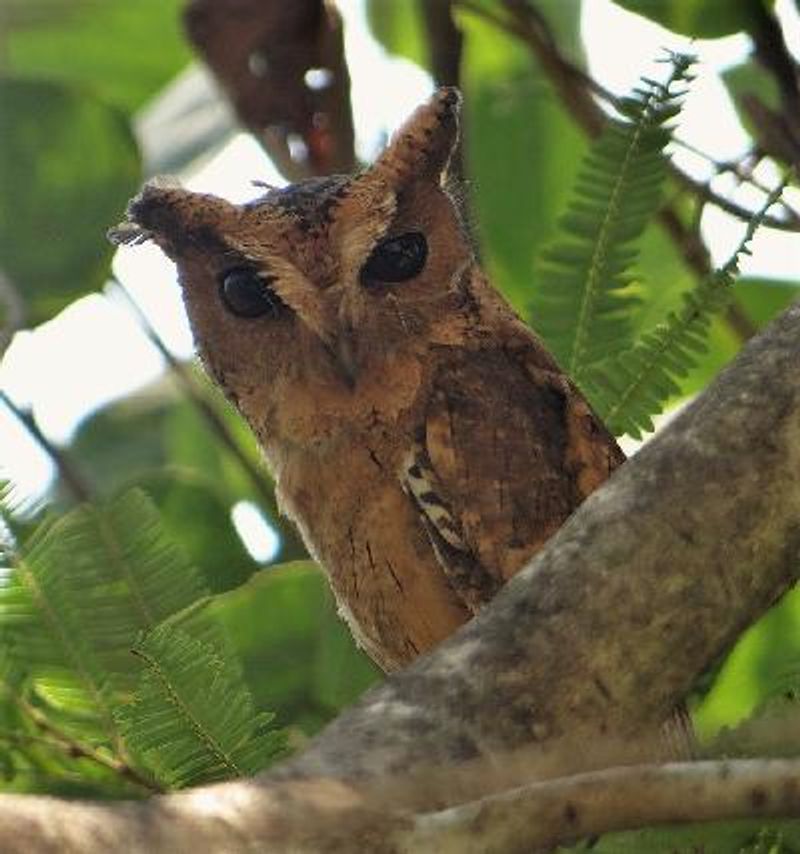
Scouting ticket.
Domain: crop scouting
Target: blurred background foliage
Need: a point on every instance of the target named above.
(83, 83)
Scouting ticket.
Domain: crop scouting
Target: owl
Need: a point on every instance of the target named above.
(420, 435)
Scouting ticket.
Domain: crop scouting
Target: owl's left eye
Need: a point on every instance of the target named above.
(396, 259)
(247, 294)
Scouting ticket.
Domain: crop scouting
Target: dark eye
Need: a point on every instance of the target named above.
(396, 259)
(247, 294)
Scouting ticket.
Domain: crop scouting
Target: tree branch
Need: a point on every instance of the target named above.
(686, 544)
(75, 484)
(561, 811)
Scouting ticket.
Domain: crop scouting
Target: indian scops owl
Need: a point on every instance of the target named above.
(420, 435)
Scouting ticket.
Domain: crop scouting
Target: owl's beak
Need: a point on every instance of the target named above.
(344, 358)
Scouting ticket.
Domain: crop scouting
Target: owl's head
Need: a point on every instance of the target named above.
(325, 279)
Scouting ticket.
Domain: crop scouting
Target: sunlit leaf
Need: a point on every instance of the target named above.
(703, 19)
(584, 302)
(399, 27)
(193, 719)
(80, 594)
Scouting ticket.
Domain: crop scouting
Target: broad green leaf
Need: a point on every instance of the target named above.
(730, 837)
(122, 51)
(400, 28)
(68, 162)
(117, 444)
(764, 664)
(298, 655)
(131, 443)
(522, 149)
(764, 299)
(196, 516)
(191, 442)
(702, 19)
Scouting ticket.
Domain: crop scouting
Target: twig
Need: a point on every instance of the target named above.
(291, 545)
(567, 77)
(772, 52)
(561, 811)
(445, 46)
(444, 41)
(80, 749)
(70, 476)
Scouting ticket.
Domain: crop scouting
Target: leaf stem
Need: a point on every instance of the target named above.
(71, 477)
(80, 749)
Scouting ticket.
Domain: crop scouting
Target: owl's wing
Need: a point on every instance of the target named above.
(508, 449)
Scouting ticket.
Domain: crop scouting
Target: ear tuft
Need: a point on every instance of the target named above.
(422, 147)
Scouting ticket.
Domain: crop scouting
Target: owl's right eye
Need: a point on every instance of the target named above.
(247, 294)
(396, 259)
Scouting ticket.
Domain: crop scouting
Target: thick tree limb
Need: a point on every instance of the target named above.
(600, 636)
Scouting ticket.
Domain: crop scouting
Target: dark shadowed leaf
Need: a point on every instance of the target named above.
(522, 150)
(130, 443)
(122, 51)
(68, 162)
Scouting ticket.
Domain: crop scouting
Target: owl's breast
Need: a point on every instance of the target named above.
(365, 532)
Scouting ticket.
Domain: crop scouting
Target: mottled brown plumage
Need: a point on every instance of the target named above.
(421, 437)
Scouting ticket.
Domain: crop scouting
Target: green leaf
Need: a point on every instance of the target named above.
(728, 837)
(196, 516)
(765, 663)
(702, 19)
(520, 147)
(751, 78)
(764, 299)
(399, 27)
(190, 443)
(81, 592)
(68, 162)
(193, 719)
(583, 305)
(628, 389)
(114, 446)
(299, 657)
(132, 443)
(121, 52)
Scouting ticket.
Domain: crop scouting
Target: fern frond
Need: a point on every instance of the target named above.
(628, 389)
(584, 302)
(81, 593)
(193, 719)
(10, 504)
